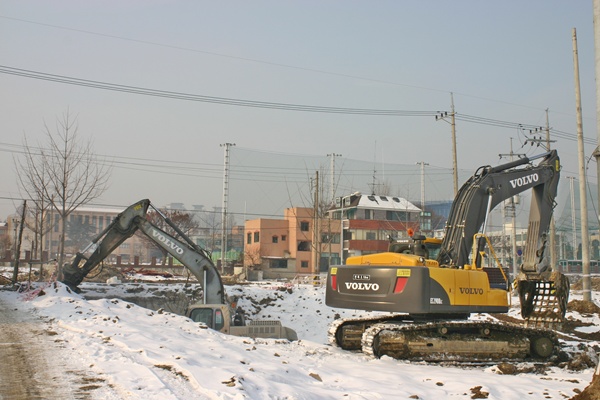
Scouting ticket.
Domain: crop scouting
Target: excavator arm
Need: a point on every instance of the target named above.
(125, 225)
(486, 189)
(543, 292)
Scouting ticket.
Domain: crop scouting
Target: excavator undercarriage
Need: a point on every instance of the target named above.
(403, 337)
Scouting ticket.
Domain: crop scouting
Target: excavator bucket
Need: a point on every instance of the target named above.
(544, 301)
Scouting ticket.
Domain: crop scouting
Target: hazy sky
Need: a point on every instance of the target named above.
(504, 61)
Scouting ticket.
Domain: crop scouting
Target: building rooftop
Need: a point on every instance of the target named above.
(393, 203)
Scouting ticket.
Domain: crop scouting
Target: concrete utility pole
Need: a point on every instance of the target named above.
(225, 204)
(573, 218)
(332, 172)
(553, 256)
(443, 117)
(316, 253)
(512, 213)
(422, 164)
(596, 154)
(585, 253)
(21, 225)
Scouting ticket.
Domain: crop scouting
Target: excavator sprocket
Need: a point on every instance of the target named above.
(347, 333)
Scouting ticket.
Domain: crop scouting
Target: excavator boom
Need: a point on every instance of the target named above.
(124, 226)
(215, 311)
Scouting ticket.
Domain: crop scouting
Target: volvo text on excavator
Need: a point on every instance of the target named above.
(432, 298)
(214, 311)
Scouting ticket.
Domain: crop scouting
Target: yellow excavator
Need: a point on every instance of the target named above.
(431, 288)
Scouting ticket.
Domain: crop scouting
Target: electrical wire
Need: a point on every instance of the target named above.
(207, 99)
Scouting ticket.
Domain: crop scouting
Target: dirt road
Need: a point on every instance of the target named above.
(33, 363)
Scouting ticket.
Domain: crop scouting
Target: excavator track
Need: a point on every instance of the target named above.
(347, 333)
(458, 341)
(401, 337)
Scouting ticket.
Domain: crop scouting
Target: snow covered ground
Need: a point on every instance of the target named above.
(138, 353)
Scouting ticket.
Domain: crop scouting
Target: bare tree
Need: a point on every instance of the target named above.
(33, 182)
(64, 174)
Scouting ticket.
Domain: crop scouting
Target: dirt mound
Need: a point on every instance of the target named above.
(583, 307)
(577, 284)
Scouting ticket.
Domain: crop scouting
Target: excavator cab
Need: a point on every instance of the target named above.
(214, 316)
(416, 244)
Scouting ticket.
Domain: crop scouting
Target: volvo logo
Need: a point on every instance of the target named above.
(362, 286)
(361, 277)
(526, 180)
(468, 290)
(167, 242)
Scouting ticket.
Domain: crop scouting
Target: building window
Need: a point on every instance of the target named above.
(278, 263)
(396, 216)
(275, 239)
(368, 214)
(283, 238)
(304, 264)
(371, 236)
(249, 238)
(303, 246)
(330, 238)
(256, 237)
(304, 226)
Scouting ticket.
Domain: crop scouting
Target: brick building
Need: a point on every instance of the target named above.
(283, 248)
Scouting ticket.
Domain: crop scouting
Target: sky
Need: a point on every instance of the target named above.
(502, 63)
(124, 351)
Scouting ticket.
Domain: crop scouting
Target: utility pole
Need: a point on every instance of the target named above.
(21, 225)
(316, 242)
(225, 204)
(422, 164)
(443, 117)
(573, 223)
(553, 255)
(332, 172)
(596, 154)
(585, 253)
(512, 213)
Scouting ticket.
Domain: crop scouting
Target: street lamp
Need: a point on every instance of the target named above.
(342, 200)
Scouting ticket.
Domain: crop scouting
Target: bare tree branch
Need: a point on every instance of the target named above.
(65, 174)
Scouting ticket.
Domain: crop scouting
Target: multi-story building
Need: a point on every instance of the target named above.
(282, 248)
(83, 224)
(370, 221)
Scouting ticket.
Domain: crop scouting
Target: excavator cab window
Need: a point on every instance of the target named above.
(219, 323)
(433, 249)
(211, 318)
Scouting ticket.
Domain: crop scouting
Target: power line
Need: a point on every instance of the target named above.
(271, 105)
(208, 99)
